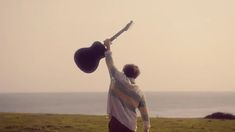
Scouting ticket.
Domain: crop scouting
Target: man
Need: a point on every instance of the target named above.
(124, 97)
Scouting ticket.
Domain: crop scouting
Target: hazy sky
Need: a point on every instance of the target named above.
(178, 44)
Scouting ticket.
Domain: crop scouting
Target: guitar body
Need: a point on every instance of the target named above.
(87, 59)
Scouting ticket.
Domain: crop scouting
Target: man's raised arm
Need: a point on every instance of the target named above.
(108, 58)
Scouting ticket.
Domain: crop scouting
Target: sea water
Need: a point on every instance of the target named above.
(160, 104)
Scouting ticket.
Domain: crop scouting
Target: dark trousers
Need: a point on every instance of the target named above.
(116, 126)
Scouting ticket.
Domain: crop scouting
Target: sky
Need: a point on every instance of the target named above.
(179, 45)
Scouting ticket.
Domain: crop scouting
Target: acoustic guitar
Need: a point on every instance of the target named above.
(87, 59)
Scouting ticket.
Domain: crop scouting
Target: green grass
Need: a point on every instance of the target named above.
(17, 122)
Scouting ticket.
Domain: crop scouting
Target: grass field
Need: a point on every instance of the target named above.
(16, 122)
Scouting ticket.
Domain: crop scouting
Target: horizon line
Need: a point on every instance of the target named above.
(147, 91)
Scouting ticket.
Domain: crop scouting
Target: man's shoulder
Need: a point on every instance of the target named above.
(138, 90)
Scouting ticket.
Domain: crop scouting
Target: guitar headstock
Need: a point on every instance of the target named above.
(128, 26)
(122, 30)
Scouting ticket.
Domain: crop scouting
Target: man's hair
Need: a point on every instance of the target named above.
(131, 70)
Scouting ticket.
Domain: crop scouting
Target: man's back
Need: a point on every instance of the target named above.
(125, 97)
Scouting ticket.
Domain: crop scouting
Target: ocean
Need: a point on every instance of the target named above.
(160, 104)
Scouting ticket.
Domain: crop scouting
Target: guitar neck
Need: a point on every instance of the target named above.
(121, 31)
(117, 34)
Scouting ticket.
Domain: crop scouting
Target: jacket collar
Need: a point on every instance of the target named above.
(132, 80)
